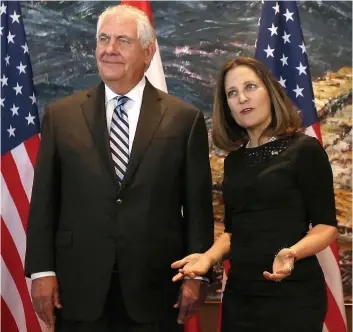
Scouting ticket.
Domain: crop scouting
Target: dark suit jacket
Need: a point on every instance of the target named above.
(81, 220)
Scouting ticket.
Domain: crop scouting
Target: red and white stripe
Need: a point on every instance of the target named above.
(335, 320)
(155, 73)
(17, 313)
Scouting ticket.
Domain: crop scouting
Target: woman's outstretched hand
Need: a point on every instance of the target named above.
(283, 265)
(192, 266)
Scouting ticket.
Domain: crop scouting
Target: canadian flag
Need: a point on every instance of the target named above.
(155, 75)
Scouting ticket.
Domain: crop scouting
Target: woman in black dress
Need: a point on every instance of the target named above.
(279, 207)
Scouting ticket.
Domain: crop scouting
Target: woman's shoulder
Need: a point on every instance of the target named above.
(307, 148)
(306, 142)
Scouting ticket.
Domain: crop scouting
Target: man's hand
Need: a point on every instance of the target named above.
(45, 296)
(192, 295)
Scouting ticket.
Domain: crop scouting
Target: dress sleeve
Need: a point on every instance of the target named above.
(227, 209)
(315, 181)
(227, 219)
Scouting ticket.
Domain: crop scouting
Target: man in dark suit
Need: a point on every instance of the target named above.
(122, 189)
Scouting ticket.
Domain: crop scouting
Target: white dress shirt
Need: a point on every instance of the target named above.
(132, 108)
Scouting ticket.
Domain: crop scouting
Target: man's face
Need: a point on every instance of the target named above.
(120, 57)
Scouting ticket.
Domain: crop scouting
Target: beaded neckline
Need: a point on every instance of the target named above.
(260, 154)
(271, 139)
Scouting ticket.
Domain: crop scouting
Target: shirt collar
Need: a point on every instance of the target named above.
(134, 94)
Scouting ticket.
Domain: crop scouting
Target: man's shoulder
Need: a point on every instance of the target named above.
(72, 100)
(175, 102)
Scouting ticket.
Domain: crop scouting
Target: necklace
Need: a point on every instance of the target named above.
(271, 139)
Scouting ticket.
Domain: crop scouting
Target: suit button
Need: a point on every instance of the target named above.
(119, 201)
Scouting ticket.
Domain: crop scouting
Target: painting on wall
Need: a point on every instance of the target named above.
(195, 39)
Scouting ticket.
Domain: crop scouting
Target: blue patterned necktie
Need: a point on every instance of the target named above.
(119, 138)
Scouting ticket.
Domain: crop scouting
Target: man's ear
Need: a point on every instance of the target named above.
(149, 50)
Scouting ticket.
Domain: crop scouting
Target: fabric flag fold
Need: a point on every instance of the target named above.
(155, 73)
(19, 146)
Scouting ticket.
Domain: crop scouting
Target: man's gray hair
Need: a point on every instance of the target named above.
(145, 30)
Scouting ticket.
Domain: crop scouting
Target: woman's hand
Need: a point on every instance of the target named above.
(192, 266)
(283, 265)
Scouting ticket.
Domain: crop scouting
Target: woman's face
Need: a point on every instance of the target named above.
(247, 98)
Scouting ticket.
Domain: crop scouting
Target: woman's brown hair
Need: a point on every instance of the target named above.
(227, 134)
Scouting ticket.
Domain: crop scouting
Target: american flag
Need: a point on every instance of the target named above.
(19, 147)
(280, 46)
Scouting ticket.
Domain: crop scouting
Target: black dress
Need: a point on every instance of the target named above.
(272, 193)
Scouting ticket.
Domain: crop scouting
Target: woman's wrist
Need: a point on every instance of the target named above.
(293, 253)
(211, 259)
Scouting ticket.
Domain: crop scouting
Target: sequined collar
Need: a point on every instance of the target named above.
(271, 139)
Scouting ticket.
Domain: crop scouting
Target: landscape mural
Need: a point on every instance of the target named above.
(195, 39)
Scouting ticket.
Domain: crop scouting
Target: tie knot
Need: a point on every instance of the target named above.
(122, 101)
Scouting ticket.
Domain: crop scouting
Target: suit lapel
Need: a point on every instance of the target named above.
(94, 112)
(151, 115)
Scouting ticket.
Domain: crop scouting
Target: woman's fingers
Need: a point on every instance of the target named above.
(184, 273)
(178, 277)
(190, 266)
(188, 273)
(179, 264)
(267, 275)
(273, 276)
(277, 276)
(285, 269)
